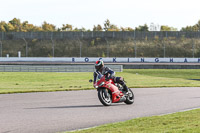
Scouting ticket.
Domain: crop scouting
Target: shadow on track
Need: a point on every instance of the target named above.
(195, 79)
(78, 106)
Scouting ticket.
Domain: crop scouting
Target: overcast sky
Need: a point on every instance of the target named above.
(87, 13)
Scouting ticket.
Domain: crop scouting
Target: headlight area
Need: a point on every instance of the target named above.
(102, 83)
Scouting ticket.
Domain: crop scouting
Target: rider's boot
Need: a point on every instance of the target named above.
(120, 80)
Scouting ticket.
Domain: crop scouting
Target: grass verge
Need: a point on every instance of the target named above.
(20, 82)
(187, 122)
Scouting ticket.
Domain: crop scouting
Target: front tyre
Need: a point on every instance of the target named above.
(104, 97)
(130, 97)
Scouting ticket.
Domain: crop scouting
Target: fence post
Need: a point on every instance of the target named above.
(26, 46)
(53, 46)
(31, 35)
(82, 35)
(80, 47)
(164, 45)
(1, 47)
(107, 47)
(1, 43)
(113, 34)
(2, 35)
(135, 47)
(193, 47)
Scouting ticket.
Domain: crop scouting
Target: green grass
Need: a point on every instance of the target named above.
(11, 82)
(162, 77)
(182, 122)
(17, 82)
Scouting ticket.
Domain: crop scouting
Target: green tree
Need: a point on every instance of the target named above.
(198, 25)
(10, 27)
(195, 27)
(2, 26)
(81, 29)
(48, 27)
(113, 28)
(107, 25)
(130, 29)
(110, 27)
(190, 28)
(16, 23)
(167, 28)
(127, 29)
(26, 27)
(36, 28)
(97, 28)
(142, 28)
(67, 27)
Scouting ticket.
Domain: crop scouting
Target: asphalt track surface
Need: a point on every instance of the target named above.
(51, 112)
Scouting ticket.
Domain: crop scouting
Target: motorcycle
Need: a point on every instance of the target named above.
(110, 92)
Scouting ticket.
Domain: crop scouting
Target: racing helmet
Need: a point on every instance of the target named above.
(99, 64)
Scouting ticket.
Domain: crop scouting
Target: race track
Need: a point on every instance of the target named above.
(51, 112)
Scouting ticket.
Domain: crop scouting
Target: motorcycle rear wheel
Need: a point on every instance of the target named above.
(104, 97)
(130, 97)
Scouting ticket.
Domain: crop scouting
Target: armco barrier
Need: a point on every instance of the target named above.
(54, 68)
(162, 66)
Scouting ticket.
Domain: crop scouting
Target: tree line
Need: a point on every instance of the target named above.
(15, 25)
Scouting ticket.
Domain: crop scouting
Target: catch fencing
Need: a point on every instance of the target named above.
(98, 34)
(101, 44)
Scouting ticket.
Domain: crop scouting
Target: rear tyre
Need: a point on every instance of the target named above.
(130, 97)
(104, 97)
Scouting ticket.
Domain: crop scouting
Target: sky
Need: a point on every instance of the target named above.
(87, 13)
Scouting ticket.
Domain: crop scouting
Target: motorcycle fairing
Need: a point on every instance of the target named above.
(116, 94)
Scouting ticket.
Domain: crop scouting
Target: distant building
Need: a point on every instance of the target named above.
(154, 27)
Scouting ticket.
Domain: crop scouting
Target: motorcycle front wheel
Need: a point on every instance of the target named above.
(130, 97)
(104, 97)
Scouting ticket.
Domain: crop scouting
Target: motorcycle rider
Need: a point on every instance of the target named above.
(102, 70)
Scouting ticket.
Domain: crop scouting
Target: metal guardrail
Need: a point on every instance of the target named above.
(54, 68)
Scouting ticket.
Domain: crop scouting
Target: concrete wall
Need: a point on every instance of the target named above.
(128, 63)
(94, 59)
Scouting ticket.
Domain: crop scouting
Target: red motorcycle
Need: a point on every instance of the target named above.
(110, 92)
